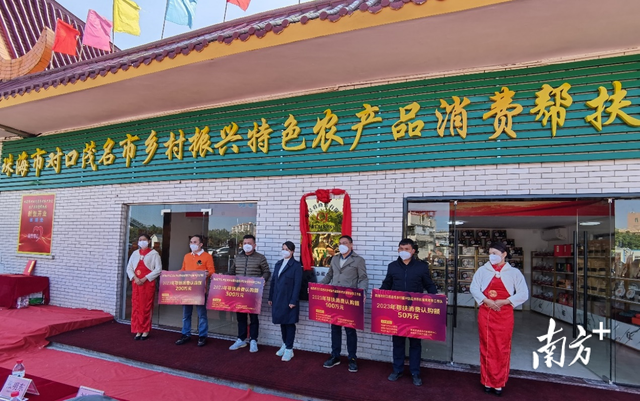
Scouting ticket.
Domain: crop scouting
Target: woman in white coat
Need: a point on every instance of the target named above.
(143, 268)
(497, 287)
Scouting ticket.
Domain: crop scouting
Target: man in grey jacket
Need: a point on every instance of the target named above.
(253, 264)
(347, 270)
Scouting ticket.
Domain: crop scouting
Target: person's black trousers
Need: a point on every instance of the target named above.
(415, 351)
(254, 326)
(288, 334)
(336, 341)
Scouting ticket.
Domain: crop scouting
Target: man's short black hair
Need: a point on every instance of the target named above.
(199, 237)
(406, 241)
(249, 236)
(348, 238)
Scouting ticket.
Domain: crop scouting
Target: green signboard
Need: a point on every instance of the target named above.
(580, 111)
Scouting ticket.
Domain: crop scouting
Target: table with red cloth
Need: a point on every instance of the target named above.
(14, 286)
(49, 390)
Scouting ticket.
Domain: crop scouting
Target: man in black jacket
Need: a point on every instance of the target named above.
(407, 274)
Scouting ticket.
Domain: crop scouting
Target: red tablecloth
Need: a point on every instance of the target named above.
(49, 390)
(14, 286)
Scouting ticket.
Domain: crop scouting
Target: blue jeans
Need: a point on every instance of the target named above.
(415, 353)
(203, 321)
(336, 341)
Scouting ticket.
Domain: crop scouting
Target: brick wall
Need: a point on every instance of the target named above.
(90, 224)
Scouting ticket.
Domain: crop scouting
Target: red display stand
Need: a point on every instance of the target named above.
(14, 286)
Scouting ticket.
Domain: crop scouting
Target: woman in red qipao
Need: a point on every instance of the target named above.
(143, 268)
(497, 287)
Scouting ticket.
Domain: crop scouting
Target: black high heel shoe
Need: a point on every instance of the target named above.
(137, 337)
(144, 337)
(487, 389)
(498, 392)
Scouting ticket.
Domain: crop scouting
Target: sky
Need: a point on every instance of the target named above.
(208, 12)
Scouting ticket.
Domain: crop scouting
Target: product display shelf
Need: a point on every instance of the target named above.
(438, 269)
(552, 281)
(625, 300)
(611, 293)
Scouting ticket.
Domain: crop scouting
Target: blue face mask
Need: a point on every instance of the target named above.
(495, 259)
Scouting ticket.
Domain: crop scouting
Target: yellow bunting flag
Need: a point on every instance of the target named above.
(126, 17)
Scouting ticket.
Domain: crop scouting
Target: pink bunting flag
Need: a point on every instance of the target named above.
(97, 31)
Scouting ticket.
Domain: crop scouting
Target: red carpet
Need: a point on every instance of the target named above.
(59, 374)
(125, 382)
(28, 328)
(305, 375)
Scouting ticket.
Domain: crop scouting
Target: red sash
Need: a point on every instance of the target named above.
(142, 270)
(496, 290)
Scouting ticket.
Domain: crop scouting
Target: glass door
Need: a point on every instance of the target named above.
(592, 253)
(180, 222)
(625, 293)
(431, 226)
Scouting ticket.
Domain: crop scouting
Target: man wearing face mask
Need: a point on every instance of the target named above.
(347, 270)
(253, 264)
(407, 274)
(197, 259)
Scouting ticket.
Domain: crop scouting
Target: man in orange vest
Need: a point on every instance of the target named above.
(197, 259)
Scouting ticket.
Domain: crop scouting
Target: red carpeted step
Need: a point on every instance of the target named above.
(305, 375)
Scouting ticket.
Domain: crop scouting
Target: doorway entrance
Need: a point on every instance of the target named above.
(579, 260)
(222, 225)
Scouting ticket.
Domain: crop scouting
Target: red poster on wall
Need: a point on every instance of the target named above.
(36, 224)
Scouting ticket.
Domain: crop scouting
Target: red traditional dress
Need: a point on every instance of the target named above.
(142, 298)
(495, 329)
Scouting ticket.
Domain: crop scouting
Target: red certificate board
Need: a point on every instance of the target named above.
(342, 306)
(235, 293)
(182, 287)
(36, 224)
(409, 314)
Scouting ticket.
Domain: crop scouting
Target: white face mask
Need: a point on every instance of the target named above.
(247, 248)
(343, 249)
(143, 244)
(285, 254)
(193, 247)
(404, 255)
(495, 259)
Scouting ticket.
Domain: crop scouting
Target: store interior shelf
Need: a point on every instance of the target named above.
(625, 301)
(637, 280)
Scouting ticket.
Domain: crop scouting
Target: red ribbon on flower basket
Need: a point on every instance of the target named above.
(324, 196)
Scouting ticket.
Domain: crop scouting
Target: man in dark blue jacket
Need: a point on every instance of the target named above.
(407, 274)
